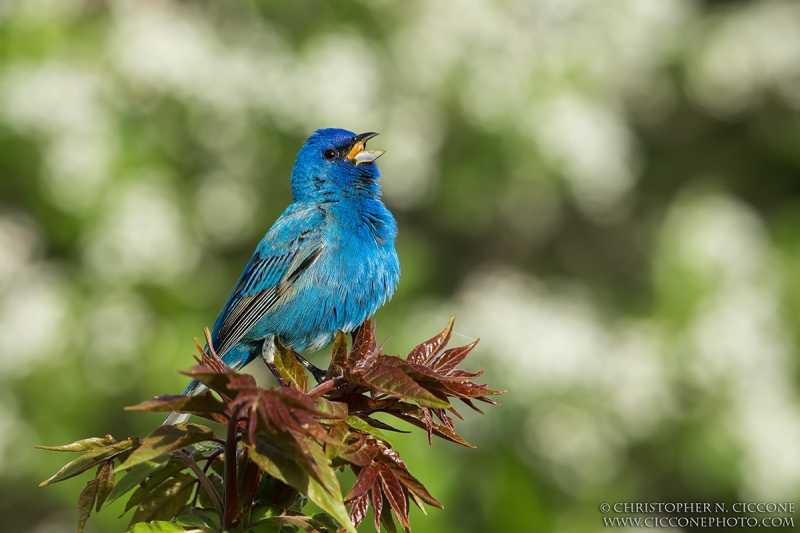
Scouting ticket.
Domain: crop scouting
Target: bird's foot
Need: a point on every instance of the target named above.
(268, 355)
(276, 374)
(318, 373)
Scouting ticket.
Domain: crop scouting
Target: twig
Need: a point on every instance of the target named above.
(325, 386)
(201, 476)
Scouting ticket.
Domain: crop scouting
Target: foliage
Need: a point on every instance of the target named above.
(282, 446)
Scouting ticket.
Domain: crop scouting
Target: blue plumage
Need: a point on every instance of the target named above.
(326, 264)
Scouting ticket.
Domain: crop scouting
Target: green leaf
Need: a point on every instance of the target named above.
(267, 526)
(85, 445)
(339, 352)
(357, 423)
(86, 503)
(89, 460)
(105, 483)
(165, 501)
(153, 481)
(289, 367)
(278, 464)
(156, 527)
(325, 522)
(337, 409)
(209, 516)
(133, 477)
(200, 404)
(167, 439)
(191, 521)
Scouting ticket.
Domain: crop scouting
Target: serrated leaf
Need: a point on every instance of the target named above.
(200, 404)
(156, 527)
(358, 510)
(376, 498)
(427, 349)
(449, 359)
(386, 519)
(412, 485)
(393, 490)
(361, 456)
(105, 483)
(86, 503)
(216, 381)
(167, 439)
(135, 475)
(365, 481)
(327, 496)
(391, 380)
(85, 445)
(166, 500)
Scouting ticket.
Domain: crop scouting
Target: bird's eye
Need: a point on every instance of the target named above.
(330, 154)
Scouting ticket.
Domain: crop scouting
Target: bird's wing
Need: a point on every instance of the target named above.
(291, 246)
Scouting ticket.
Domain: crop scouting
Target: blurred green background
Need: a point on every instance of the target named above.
(606, 193)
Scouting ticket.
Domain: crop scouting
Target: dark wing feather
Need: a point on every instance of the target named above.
(264, 281)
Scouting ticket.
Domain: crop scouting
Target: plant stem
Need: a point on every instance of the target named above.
(232, 515)
(325, 386)
(201, 476)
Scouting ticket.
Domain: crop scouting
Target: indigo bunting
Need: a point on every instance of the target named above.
(326, 264)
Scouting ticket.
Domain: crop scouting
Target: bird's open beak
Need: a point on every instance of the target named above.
(359, 154)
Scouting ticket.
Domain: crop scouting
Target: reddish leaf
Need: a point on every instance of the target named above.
(362, 456)
(414, 415)
(386, 519)
(393, 381)
(365, 481)
(363, 352)
(200, 404)
(411, 484)
(449, 359)
(358, 512)
(427, 349)
(105, 482)
(377, 505)
(428, 419)
(86, 503)
(393, 490)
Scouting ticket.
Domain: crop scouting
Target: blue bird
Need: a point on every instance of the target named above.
(327, 264)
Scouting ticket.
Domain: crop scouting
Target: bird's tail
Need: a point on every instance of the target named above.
(194, 388)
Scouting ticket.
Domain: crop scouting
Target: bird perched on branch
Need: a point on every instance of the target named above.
(326, 264)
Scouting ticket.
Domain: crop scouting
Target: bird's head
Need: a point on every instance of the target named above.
(335, 161)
